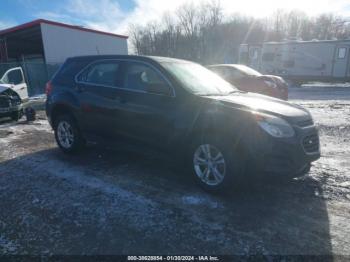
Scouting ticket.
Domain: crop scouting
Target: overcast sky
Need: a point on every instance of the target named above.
(115, 15)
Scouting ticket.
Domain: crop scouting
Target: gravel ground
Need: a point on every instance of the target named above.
(131, 201)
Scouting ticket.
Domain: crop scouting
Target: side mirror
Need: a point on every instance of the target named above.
(159, 88)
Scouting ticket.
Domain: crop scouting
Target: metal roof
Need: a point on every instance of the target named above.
(43, 21)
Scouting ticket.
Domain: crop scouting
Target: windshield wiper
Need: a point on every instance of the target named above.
(220, 94)
(212, 94)
(236, 91)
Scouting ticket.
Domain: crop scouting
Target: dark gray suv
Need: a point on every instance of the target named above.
(184, 109)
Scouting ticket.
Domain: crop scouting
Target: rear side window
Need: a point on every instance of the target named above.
(65, 75)
(102, 73)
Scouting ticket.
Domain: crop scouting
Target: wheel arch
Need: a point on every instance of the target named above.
(235, 130)
(61, 109)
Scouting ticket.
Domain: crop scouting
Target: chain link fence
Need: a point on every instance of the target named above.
(36, 74)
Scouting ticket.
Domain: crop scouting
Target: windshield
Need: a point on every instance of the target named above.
(247, 70)
(198, 80)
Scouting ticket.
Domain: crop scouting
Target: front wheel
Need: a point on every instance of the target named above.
(68, 135)
(16, 116)
(216, 167)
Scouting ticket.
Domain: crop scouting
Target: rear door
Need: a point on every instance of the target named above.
(341, 61)
(97, 87)
(15, 78)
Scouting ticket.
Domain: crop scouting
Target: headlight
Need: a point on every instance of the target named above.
(275, 126)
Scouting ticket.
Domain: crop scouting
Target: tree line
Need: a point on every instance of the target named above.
(202, 33)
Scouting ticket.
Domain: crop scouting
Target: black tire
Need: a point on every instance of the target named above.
(78, 141)
(30, 114)
(234, 161)
(16, 116)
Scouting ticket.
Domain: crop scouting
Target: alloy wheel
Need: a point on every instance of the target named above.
(209, 164)
(65, 134)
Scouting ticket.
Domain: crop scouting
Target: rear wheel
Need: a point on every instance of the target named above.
(68, 135)
(215, 166)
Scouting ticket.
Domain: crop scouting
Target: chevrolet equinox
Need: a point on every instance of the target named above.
(184, 109)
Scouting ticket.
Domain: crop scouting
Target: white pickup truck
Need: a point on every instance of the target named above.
(13, 92)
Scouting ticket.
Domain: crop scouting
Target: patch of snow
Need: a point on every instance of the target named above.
(191, 200)
(16, 129)
(37, 97)
(324, 84)
(200, 200)
(7, 246)
(78, 176)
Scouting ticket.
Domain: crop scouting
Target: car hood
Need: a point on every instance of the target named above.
(264, 104)
(4, 87)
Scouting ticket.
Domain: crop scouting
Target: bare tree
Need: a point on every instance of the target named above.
(201, 32)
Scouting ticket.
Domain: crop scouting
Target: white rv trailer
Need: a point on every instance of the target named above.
(300, 61)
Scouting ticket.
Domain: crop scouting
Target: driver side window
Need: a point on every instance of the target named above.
(143, 78)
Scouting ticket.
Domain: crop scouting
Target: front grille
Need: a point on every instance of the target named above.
(4, 102)
(305, 123)
(311, 143)
(15, 101)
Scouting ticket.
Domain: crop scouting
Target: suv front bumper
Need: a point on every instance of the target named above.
(285, 156)
(8, 111)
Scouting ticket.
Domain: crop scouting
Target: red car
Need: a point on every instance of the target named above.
(249, 80)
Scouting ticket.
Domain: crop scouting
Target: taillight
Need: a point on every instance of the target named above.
(48, 88)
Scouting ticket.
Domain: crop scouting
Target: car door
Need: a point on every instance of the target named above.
(147, 103)
(15, 78)
(341, 61)
(97, 90)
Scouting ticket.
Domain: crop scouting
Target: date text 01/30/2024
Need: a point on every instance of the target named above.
(173, 258)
